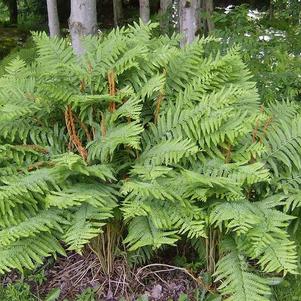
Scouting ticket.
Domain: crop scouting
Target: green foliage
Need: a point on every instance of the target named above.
(239, 282)
(289, 289)
(21, 291)
(4, 14)
(26, 53)
(86, 295)
(271, 46)
(175, 140)
(18, 292)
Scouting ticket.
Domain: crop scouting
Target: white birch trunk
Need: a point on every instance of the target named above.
(144, 10)
(53, 18)
(82, 22)
(189, 20)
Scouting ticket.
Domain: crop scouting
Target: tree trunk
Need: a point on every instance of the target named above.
(189, 20)
(53, 19)
(13, 11)
(118, 12)
(271, 10)
(144, 11)
(165, 6)
(82, 22)
(207, 8)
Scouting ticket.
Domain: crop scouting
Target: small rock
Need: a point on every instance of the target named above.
(156, 292)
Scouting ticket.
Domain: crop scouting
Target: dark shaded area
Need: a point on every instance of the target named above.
(104, 10)
(11, 37)
(13, 11)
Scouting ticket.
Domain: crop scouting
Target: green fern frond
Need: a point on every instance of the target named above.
(284, 143)
(238, 282)
(196, 182)
(150, 172)
(238, 216)
(293, 200)
(168, 152)
(28, 252)
(104, 147)
(241, 173)
(154, 189)
(97, 195)
(20, 189)
(280, 256)
(23, 154)
(43, 221)
(55, 51)
(130, 109)
(86, 223)
(143, 233)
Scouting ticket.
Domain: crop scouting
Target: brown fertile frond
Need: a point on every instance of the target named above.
(228, 154)
(40, 164)
(158, 106)
(84, 128)
(159, 101)
(112, 89)
(72, 133)
(267, 124)
(103, 126)
(255, 131)
(82, 85)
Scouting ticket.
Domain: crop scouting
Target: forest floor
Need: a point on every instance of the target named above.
(75, 273)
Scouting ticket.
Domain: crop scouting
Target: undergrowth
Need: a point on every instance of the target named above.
(166, 143)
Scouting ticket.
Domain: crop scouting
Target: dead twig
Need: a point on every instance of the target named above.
(198, 280)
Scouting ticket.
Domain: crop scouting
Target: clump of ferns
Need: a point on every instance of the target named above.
(174, 139)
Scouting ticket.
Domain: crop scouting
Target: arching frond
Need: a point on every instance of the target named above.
(238, 282)
(85, 224)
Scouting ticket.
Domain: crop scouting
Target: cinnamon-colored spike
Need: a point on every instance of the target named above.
(72, 133)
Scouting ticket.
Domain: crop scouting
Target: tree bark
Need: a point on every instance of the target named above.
(13, 11)
(82, 22)
(207, 8)
(271, 10)
(189, 20)
(144, 10)
(53, 18)
(165, 5)
(118, 12)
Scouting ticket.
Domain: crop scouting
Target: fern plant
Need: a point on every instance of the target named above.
(174, 139)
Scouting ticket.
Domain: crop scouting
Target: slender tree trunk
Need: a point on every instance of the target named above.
(271, 10)
(165, 6)
(207, 8)
(82, 22)
(189, 20)
(53, 18)
(13, 11)
(144, 10)
(118, 12)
